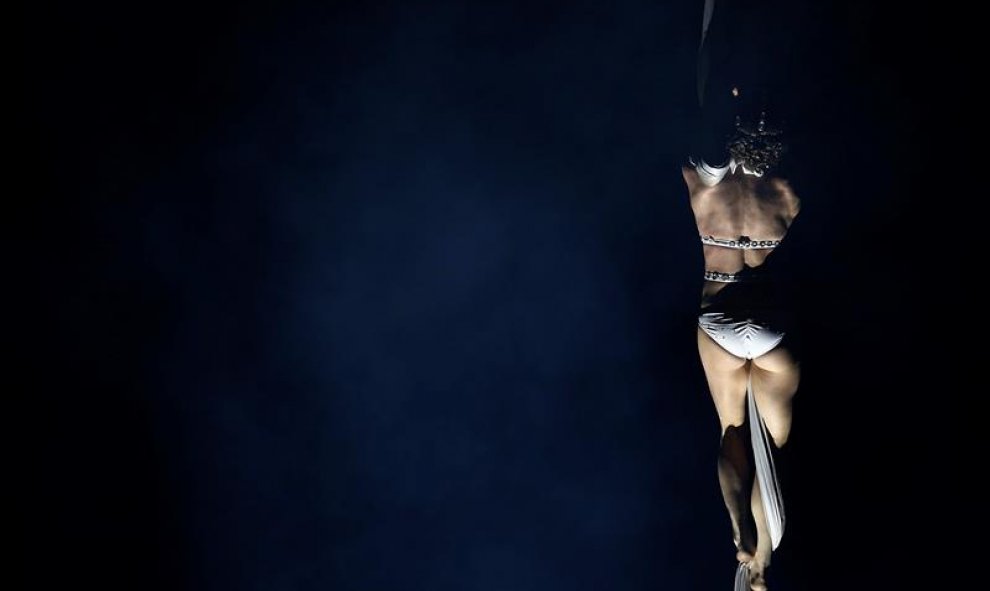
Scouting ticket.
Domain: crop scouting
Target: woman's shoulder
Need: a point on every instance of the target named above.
(779, 190)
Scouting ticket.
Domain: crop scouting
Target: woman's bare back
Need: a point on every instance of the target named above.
(741, 205)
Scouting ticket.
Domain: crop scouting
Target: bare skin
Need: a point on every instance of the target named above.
(762, 209)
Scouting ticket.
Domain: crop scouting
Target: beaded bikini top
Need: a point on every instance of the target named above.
(741, 243)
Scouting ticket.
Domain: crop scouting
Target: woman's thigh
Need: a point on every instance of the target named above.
(726, 376)
(775, 380)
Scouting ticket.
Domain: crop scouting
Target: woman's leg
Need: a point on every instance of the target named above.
(775, 380)
(761, 559)
(727, 375)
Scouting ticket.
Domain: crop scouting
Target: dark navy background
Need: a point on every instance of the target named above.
(401, 296)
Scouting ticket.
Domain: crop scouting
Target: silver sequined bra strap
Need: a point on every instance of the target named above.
(724, 277)
(741, 243)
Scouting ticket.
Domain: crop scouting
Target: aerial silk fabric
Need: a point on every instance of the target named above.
(742, 578)
(706, 20)
(766, 472)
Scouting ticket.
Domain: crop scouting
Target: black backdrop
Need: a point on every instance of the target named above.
(401, 296)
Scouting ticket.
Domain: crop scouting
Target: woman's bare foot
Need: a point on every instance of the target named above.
(750, 576)
(757, 570)
(757, 581)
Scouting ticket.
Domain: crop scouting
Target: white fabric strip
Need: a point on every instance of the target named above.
(706, 19)
(712, 175)
(742, 578)
(773, 502)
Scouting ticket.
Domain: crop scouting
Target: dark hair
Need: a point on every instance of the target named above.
(759, 148)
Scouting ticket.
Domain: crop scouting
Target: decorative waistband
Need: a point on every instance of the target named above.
(726, 277)
(741, 243)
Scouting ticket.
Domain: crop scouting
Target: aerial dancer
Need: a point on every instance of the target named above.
(743, 208)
